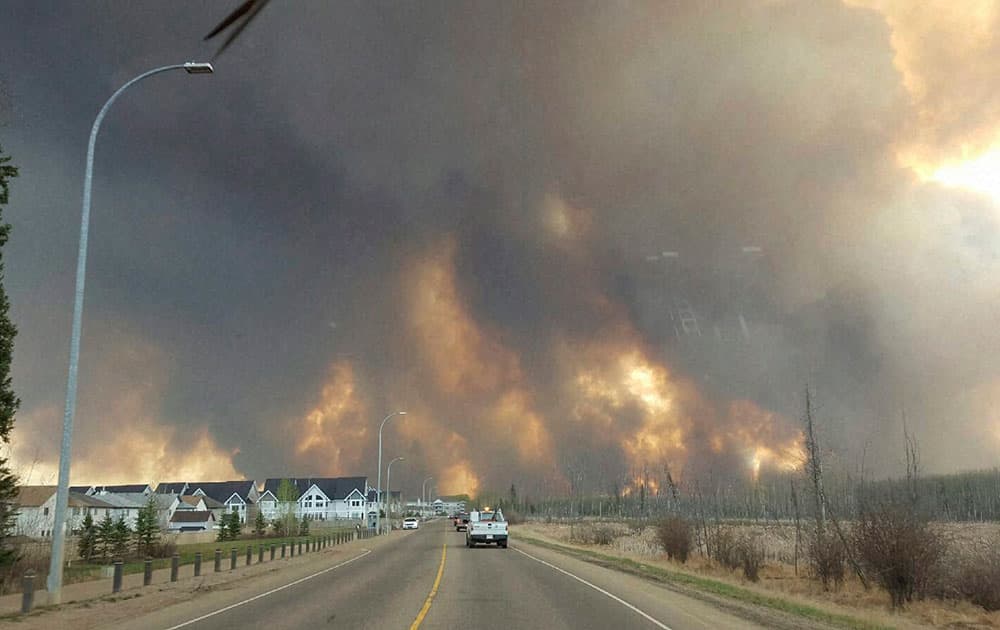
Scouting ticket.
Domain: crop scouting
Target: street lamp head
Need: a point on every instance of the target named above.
(198, 67)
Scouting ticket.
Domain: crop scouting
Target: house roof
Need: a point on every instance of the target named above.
(222, 490)
(124, 488)
(193, 501)
(131, 500)
(212, 504)
(333, 487)
(78, 499)
(172, 487)
(33, 496)
(81, 489)
(163, 501)
(192, 516)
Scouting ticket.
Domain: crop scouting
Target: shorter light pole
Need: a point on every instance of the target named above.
(388, 489)
(378, 485)
(423, 495)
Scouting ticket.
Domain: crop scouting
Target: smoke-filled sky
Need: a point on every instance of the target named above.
(461, 209)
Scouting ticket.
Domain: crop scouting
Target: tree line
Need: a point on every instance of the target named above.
(114, 538)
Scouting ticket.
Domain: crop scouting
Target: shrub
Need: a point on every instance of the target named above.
(674, 534)
(604, 535)
(827, 557)
(751, 556)
(979, 579)
(725, 548)
(899, 550)
(161, 549)
(592, 534)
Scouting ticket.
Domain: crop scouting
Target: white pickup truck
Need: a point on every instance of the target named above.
(487, 528)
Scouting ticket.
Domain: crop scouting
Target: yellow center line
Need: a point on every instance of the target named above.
(430, 598)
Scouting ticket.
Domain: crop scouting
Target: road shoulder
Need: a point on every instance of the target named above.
(192, 597)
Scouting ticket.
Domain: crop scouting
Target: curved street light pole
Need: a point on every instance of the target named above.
(378, 485)
(54, 582)
(388, 487)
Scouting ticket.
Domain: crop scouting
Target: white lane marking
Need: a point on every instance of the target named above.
(596, 588)
(270, 592)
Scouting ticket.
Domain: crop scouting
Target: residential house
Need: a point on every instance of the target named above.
(318, 498)
(166, 505)
(201, 503)
(237, 496)
(191, 521)
(124, 505)
(37, 505)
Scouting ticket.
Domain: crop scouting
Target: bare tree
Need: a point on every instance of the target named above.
(826, 554)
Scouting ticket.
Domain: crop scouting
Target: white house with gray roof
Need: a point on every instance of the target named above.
(318, 498)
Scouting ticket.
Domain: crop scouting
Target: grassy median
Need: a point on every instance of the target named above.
(80, 572)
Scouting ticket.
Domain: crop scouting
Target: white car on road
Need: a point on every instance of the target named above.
(488, 528)
(411, 523)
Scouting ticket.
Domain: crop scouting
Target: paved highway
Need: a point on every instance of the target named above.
(428, 579)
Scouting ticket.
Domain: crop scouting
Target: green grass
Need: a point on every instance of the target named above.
(709, 585)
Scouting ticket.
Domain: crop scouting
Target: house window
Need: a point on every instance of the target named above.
(45, 511)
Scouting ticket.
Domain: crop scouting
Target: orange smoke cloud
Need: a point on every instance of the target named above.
(613, 375)
(946, 54)
(463, 358)
(133, 448)
(763, 437)
(335, 427)
(458, 478)
(120, 434)
(468, 362)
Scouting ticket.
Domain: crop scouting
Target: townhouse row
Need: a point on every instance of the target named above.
(184, 506)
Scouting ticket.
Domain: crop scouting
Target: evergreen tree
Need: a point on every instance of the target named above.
(121, 535)
(147, 528)
(223, 534)
(235, 529)
(104, 540)
(304, 527)
(279, 526)
(86, 546)
(259, 525)
(8, 401)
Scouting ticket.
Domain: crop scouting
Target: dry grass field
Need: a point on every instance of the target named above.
(779, 575)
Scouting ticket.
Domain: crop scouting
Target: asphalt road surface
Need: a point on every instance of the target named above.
(428, 579)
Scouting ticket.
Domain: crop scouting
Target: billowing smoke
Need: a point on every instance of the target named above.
(573, 242)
